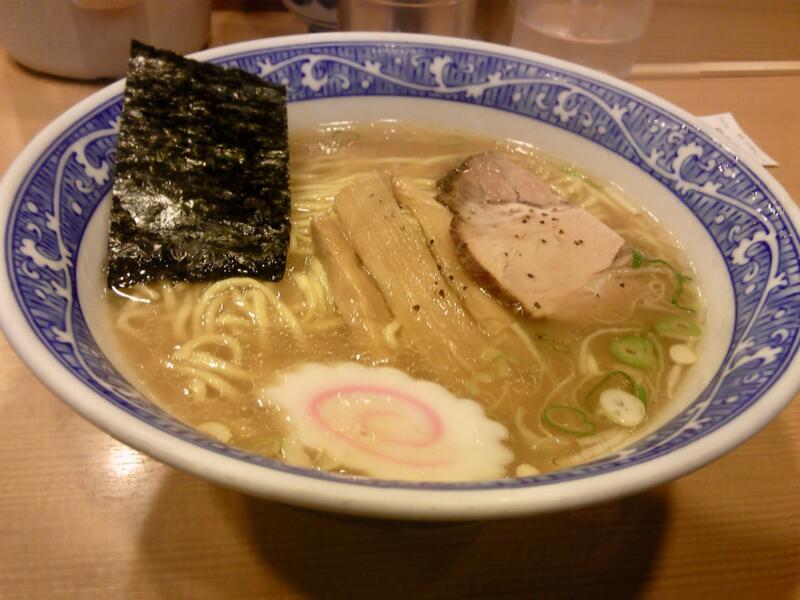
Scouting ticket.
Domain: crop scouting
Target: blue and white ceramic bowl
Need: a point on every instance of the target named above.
(735, 221)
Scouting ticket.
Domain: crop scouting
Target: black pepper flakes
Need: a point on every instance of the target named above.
(416, 307)
(537, 305)
(441, 293)
(530, 275)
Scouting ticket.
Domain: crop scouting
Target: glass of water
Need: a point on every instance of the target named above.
(602, 34)
(441, 17)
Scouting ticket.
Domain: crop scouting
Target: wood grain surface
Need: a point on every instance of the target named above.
(83, 516)
(722, 30)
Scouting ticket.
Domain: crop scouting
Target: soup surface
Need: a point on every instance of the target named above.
(566, 390)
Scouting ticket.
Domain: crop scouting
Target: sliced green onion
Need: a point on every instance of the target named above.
(680, 278)
(568, 419)
(633, 350)
(638, 389)
(681, 354)
(639, 260)
(622, 408)
(641, 392)
(677, 328)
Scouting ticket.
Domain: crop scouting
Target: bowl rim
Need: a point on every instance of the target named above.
(341, 495)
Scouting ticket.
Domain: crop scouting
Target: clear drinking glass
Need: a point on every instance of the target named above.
(602, 34)
(442, 17)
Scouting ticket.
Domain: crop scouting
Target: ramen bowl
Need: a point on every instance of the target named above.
(737, 225)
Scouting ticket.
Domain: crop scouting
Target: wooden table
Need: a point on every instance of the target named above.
(83, 516)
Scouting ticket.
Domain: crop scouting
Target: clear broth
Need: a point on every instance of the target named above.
(152, 322)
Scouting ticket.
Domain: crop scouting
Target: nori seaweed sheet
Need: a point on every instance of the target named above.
(201, 189)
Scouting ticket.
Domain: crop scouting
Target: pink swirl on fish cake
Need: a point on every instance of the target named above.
(434, 433)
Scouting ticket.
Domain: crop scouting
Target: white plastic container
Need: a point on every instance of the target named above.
(89, 39)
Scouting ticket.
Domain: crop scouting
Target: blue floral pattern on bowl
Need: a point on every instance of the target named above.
(759, 244)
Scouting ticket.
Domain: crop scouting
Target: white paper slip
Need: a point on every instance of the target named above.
(732, 135)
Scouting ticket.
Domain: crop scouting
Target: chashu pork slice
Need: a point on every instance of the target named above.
(490, 178)
(521, 240)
